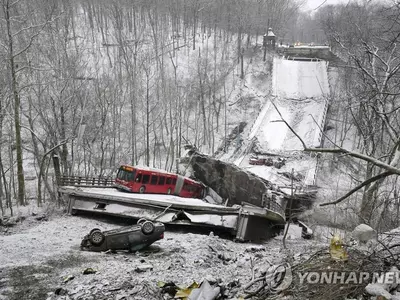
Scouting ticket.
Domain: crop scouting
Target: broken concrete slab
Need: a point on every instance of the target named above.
(230, 181)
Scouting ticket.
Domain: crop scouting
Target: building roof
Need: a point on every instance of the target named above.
(270, 33)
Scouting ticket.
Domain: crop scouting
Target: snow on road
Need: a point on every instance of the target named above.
(302, 116)
(299, 90)
(299, 94)
(260, 120)
(272, 133)
(300, 79)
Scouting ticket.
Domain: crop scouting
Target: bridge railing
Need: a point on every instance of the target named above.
(272, 204)
(86, 181)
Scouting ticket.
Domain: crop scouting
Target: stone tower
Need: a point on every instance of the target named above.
(269, 39)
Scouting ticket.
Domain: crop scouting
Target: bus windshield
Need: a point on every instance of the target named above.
(126, 175)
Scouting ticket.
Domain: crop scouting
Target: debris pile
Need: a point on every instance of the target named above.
(340, 272)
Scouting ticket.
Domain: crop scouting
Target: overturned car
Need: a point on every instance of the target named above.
(131, 238)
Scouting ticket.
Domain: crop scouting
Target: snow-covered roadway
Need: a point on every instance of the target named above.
(300, 91)
(300, 79)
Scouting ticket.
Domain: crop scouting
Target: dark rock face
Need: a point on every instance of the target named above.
(229, 181)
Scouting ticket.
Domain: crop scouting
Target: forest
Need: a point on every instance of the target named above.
(104, 82)
(100, 83)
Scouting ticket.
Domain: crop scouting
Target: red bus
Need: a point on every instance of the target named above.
(154, 181)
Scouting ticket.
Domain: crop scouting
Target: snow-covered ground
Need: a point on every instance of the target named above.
(36, 258)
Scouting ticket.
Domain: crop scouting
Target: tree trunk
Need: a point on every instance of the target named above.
(6, 189)
(147, 121)
(239, 47)
(17, 103)
(1, 164)
(241, 65)
(367, 204)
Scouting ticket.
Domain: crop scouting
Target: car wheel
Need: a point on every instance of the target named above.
(169, 191)
(142, 189)
(96, 237)
(141, 221)
(93, 230)
(148, 227)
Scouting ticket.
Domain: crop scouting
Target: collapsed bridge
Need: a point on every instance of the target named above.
(99, 196)
(299, 95)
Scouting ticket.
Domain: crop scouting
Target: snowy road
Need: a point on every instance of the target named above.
(299, 92)
(300, 79)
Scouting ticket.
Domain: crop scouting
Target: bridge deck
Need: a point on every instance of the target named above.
(167, 208)
(300, 91)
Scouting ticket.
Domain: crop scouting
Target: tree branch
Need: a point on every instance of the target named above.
(340, 150)
(290, 128)
(34, 133)
(364, 157)
(361, 185)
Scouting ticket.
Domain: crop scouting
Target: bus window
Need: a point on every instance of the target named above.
(146, 179)
(130, 176)
(168, 181)
(188, 187)
(154, 179)
(138, 178)
(174, 181)
(161, 180)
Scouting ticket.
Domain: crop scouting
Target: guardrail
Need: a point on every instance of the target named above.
(321, 125)
(269, 203)
(298, 58)
(312, 172)
(86, 181)
(317, 142)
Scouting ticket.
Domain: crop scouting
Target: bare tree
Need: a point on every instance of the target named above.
(369, 46)
(21, 31)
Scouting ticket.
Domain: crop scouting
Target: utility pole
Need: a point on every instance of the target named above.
(241, 64)
(265, 46)
(225, 120)
(290, 211)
